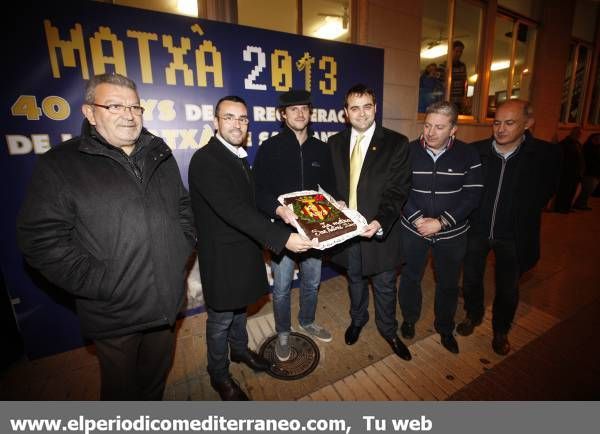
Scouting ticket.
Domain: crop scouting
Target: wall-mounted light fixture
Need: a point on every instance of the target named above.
(332, 28)
(188, 7)
(435, 51)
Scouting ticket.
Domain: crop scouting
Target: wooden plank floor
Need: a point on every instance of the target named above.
(554, 343)
(434, 373)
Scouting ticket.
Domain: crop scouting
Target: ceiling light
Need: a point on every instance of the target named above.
(188, 7)
(499, 65)
(435, 51)
(331, 28)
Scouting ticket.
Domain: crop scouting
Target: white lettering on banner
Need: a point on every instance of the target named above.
(19, 145)
(264, 135)
(261, 63)
(327, 116)
(192, 138)
(271, 114)
(194, 112)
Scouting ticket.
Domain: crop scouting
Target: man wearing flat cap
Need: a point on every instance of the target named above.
(293, 160)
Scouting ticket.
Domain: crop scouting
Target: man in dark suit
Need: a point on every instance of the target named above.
(372, 174)
(520, 175)
(231, 236)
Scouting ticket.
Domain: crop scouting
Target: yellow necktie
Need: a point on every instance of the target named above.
(355, 166)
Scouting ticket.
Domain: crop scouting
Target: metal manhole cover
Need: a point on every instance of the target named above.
(304, 357)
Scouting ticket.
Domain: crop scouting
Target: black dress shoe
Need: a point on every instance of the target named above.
(229, 390)
(466, 327)
(408, 330)
(500, 344)
(399, 348)
(352, 334)
(449, 342)
(252, 360)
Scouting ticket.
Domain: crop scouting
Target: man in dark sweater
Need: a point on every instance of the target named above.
(446, 187)
(291, 161)
(520, 175)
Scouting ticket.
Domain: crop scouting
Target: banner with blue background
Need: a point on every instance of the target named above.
(182, 66)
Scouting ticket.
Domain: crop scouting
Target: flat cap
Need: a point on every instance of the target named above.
(294, 97)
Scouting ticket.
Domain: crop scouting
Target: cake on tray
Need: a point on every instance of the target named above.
(318, 217)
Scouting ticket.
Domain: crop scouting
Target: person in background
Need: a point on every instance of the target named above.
(591, 177)
(458, 86)
(571, 173)
(431, 88)
(100, 214)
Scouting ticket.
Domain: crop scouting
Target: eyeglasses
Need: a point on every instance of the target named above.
(117, 109)
(230, 119)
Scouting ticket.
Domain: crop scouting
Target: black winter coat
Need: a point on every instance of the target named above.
(231, 231)
(120, 246)
(536, 181)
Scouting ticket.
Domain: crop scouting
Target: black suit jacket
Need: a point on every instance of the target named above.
(536, 181)
(231, 231)
(382, 190)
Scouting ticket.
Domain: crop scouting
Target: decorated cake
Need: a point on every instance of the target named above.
(318, 217)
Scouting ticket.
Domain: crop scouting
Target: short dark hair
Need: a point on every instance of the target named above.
(458, 43)
(110, 78)
(360, 90)
(444, 108)
(231, 98)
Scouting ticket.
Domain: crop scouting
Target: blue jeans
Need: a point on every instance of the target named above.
(448, 258)
(224, 330)
(310, 278)
(384, 295)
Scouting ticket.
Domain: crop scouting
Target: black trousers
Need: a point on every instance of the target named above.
(507, 276)
(135, 366)
(448, 258)
(384, 294)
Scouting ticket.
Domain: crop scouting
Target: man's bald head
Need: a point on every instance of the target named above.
(510, 122)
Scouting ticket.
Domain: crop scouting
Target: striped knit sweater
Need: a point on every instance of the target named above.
(449, 188)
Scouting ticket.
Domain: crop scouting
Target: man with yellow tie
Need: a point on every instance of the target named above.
(372, 174)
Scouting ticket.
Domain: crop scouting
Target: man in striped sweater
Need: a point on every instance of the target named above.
(446, 188)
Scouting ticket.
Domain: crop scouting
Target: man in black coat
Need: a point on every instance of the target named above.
(520, 175)
(372, 175)
(108, 219)
(231, 237)
(293, 160)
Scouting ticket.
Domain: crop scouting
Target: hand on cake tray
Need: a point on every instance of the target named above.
(371, 229)
(298, 243)
(286, 214)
